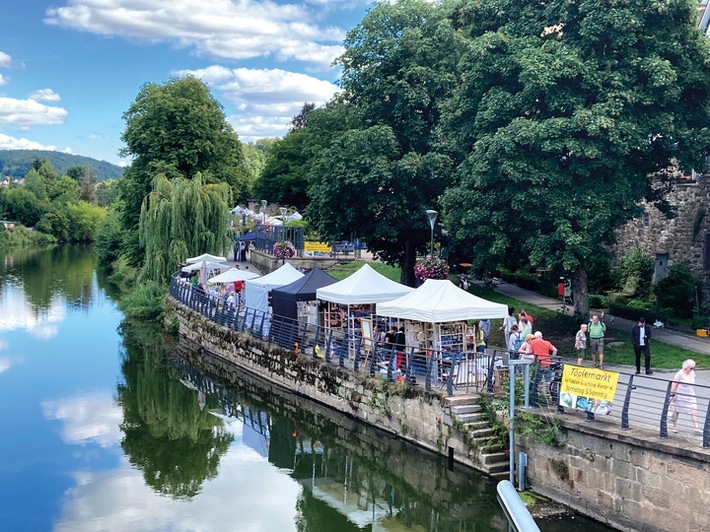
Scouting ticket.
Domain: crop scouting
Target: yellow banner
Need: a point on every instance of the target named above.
(314, 247)
(592, 383)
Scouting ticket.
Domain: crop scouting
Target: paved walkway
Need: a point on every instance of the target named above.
(668, 336)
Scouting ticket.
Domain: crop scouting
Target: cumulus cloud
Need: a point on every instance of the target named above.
(229, 29)
(267, 99)
(25, 114)
(12, 143)
(5, 60)
(87, 418)
(47, 95)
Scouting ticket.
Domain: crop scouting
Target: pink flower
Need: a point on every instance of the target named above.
(284, 250)
(431, 268)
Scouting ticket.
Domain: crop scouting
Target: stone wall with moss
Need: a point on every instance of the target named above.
(628, 479)
(410, 412)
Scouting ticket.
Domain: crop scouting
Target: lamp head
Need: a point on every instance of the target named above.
(432, 217)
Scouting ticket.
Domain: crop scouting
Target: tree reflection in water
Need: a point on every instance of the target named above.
(354, 477)
(169, 433)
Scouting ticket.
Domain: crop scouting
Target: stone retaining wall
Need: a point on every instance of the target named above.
(266, 263)
(628, 479)
(412, 413)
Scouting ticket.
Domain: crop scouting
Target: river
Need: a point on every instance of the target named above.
(108, 426)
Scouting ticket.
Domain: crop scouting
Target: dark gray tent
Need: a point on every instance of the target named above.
(285, 330)
(284, 299)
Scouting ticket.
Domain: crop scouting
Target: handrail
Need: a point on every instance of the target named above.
(515, 510)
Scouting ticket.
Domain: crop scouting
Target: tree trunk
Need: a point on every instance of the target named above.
(580, 294)
(410, 256)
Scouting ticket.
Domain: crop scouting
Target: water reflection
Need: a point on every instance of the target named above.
(353, 476)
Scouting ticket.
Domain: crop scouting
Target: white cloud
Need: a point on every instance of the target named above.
(229, 29)
(266, 99)
(18, 313)
(25, 114)
(5, 60)
(4, 80)
(12, 143)
(47, 95)
(88, 418)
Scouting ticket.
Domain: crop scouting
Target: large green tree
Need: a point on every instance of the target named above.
(397, 70)
(563, 112)
(176, 130)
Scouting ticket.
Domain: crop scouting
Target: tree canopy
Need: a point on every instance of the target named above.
(563, 113)
(176, 130)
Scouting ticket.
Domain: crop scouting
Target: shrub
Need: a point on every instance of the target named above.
(144, 302)
(635, 273)
(677, 290)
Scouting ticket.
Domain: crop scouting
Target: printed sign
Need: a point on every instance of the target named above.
(588, 389)
(313, 247)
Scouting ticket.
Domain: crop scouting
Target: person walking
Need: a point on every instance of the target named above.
(640, 335)
(580, 343)
(508, 322)
(485, 326)
(683, 395)
(597, 330)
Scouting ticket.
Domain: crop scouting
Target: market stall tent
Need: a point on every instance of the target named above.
(256, 291)
(365, 286)
(205, 257)
(440, 301)
(284, 299)
(233, 274)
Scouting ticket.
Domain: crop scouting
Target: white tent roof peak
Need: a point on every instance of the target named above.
(211, 266)
(440, 301)
(205, 256)
(362, 287)
(233, 274)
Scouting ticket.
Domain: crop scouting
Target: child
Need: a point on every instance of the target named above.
(580, 343)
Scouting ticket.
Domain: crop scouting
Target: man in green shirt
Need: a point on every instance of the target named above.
(597, 329)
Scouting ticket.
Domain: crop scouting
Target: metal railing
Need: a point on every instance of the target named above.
(434, 369)
(640, 401)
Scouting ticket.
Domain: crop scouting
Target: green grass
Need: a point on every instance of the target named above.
(341, 271)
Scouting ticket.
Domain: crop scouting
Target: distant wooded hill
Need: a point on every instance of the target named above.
(16, 163)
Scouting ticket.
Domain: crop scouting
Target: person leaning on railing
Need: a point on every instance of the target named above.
(543, 351)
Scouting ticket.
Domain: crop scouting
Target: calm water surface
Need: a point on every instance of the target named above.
(107, 425)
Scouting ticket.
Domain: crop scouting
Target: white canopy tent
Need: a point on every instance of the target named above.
(233, 274)
(205, 256)
(359, 293)
(256, 292)
(362, 287)
(211, 266)
(440, 301)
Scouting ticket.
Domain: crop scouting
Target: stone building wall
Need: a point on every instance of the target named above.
(412, 413)
(623, 478)
(684, 237)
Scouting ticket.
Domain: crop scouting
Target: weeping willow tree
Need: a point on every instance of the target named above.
(181, 218)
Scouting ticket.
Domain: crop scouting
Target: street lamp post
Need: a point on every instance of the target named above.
(283, 222)
(263, 212)
(432, 220)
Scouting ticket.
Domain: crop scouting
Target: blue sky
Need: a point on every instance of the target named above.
(69, 69)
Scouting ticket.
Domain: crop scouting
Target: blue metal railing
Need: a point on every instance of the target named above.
(443, 369)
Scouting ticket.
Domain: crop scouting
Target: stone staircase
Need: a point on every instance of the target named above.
(492, 459)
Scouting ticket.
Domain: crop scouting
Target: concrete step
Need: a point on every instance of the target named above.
(469, 418)
(483, 432)
(488, 459)
(465, 409)
(500, 471)
(460, 400)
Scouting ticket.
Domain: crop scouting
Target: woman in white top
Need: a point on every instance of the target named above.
(683, 395)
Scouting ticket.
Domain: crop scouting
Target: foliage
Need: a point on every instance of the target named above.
(144, 302)
(299, 121)
(677, 290)
(22, 205)
(555, 144)
(284, 250)
(398, 67)
(56, 224)
(181, 218)
(84, 218)
(16, 163)
(176, 130)
(429, 267)
(283, 177)
(21, 237)
(635, 273)
(109, 236)
(544, 428)
(107, 192)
